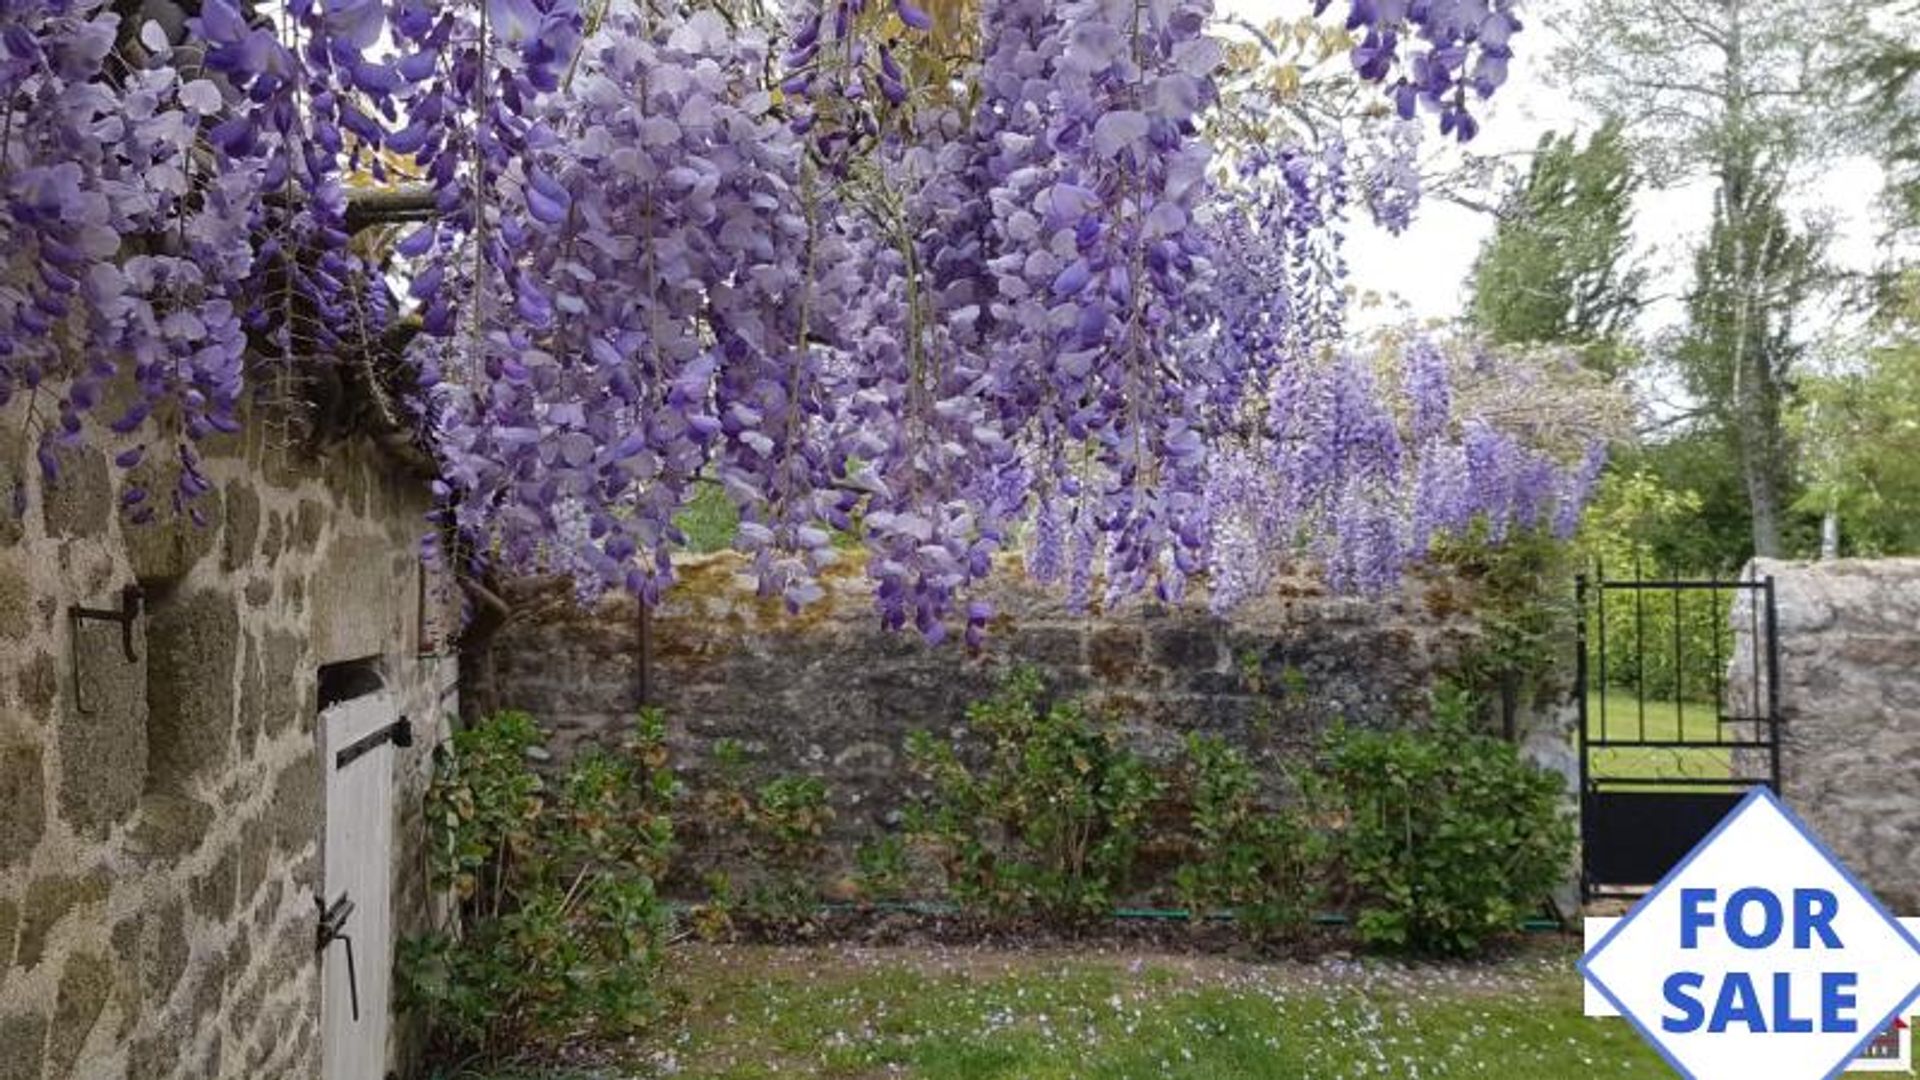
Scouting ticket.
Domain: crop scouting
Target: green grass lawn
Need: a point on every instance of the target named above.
(756, 1013)
(1693, 721)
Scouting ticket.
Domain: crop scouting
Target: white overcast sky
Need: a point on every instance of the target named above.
(1425, 269)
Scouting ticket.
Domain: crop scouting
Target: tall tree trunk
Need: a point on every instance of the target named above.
(1756, 393)
(1760, 460)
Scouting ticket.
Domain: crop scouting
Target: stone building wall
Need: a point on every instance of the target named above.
(1849, 641)
(161, 820)
(827, 692)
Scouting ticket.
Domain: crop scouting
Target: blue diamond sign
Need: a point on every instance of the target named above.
(1759, 955)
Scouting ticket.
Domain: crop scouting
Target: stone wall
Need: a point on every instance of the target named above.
(162, 821)
(1849, 638)
(828, 692)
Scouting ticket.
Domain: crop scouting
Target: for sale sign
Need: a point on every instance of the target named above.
(1759, 955)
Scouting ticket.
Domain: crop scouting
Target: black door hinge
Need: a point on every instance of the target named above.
(399, 733)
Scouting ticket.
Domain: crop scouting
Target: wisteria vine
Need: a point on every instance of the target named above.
(943, 307)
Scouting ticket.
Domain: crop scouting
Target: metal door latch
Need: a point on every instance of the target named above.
(332, 928)
(131, 598)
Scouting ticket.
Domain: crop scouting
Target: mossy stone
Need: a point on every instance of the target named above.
(85, 986)
(170, 545)
(25, 1039)
(243, 525)
(78, 500)
(39, 686)
(23, 795)
(103, 749)
(49, 900)
(193, 644)
(17, 615)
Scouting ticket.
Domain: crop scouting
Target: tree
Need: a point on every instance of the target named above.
(1703, 525)
(1739, 350)
(1557, 269)
(1739, 91)
(1861, 428)
(1884, 67)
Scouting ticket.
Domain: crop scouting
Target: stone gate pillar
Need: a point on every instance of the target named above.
(1849, 656)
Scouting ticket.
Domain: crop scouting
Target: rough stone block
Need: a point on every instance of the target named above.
(289, 696)
(77, 502)
(9, 922)
(256, 854)
(292, 959)
(17, 617)
(243, 1009)
(211, 1058)
(259, 592)
(103, 750)
(308, 523)
(13, 497)
(213, 891)
(243, 525)
(239, 957)
(1214, 682)
(193, 642)
(124, 941)
(274, 536)
(163, 951)
(1117, 654)
(1054, 647)
(39, 686)
(49, 900)
(157, 1056)
(171, 545)
(171, 826)
(294, 809)
(209, 989)
(1187, 648)
(85, 986)
(23, 816)
(25, 1038)
(267, 908)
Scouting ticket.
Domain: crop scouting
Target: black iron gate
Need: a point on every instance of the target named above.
(1678, 686)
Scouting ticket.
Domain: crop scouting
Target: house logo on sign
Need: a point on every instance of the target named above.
(1891, 1050)
(1759, 955)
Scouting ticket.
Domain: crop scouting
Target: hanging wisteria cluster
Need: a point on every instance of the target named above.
(943, 307)
(1437, 54)
(1365, 462)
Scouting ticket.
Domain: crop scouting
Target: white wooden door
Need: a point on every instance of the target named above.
(358, 870)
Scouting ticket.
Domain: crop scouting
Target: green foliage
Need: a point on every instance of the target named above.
(1861, 430)
(779, 824)
(1558, 268)
(1050, 822)
(1264, 863)
(1448, 838)
(1740, 348)
(558, 926)
(709, 520)
(1638, 520)
(1278, 698)
(881, 868)
(1635, 521)
(1666, 645)
(1885, 64)
(1524, 602)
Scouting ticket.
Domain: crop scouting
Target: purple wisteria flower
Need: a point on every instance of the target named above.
(665, 252)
